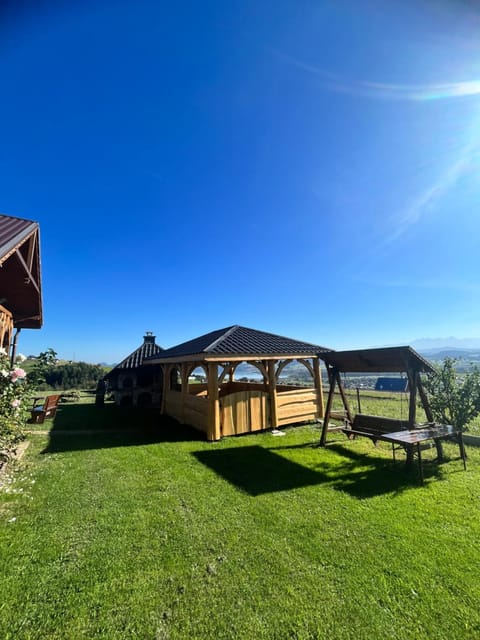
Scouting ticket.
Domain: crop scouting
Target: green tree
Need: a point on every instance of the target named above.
(454, 399)
(74, 375)
(44, 365)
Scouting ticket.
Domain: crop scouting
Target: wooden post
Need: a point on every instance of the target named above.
(344, 397)
(213, 427)
(326, 417)
(424, 400)
(272, 393)
(429, 414)
(166, 386)
(184, 376)
(358, 401)
(412, 407)
(317, 381)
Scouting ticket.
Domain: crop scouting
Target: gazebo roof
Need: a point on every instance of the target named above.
(387, 359)
(136, 358)
(20, 283)
(236, 342)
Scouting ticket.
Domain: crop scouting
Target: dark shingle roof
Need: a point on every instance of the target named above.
(236, 340)
(136, 358)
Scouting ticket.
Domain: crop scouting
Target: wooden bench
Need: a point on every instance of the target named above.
(374, 427)
(40, 412)
(412, 441)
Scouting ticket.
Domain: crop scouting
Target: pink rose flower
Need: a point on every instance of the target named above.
(15, 403)
(18, 374)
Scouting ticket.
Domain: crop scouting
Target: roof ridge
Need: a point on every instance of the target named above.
(226, 332)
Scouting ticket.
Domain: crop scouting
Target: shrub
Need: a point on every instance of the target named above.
(13, 405)
(454, 399)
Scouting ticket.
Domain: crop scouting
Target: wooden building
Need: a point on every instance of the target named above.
(20, 281)
(223, 405)
(134, 383)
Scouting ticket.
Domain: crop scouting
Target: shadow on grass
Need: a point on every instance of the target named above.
(86, 426)
(257, 470)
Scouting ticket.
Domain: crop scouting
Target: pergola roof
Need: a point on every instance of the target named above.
(388, 359)
(237, 341)
(20, 283)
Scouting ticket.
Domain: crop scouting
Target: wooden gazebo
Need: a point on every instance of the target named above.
(385, 360)
(220, 405)
(20, 281)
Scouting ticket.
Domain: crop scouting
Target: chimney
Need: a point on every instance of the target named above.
(148, 338)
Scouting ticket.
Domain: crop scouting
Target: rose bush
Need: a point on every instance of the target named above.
(13, 405)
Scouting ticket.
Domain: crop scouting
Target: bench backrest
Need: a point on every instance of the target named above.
(50, 402)
(378, 424)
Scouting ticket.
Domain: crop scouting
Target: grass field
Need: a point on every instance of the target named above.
(132, 527)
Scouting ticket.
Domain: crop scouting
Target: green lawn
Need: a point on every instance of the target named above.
(143, 530)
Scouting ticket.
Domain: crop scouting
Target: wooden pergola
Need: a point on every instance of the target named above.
(386, 360)
(219, 404)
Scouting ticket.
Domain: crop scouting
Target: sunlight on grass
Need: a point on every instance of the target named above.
(154, 533)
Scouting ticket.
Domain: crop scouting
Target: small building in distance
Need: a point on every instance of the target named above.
(391, 384)
(135, 383)
(20, 281)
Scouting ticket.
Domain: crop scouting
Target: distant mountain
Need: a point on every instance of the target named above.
(430, 344)
(441, 354)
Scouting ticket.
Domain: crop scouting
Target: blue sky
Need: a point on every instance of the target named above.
(305, 168)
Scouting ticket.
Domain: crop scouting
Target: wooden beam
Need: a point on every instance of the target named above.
(346, 404)
(184, 371)
(213, 427)
(317, 381)
(29, 275)
(308, 365)
(166, 386)
(247, 357)
(272, 394)
(326, 418)
(412, 405)
(424, 400)
(31, 251)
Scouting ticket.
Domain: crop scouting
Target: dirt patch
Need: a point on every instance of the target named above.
(19, 452)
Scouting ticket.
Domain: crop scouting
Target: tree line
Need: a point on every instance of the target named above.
(48, 373)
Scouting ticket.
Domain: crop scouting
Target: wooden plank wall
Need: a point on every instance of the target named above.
(244, 412)
(195, 412)
(298, 405)
(188, 409)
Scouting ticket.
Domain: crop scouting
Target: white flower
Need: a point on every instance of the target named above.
(4, 373)
(3, 351)
(20, 358)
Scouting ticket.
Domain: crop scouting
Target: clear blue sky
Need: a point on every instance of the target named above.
(305, 168)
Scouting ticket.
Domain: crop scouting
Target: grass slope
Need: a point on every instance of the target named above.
(152, 533)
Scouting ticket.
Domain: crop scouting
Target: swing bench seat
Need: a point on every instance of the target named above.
(374, 427)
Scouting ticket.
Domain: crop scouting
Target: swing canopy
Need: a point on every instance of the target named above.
(384, 360)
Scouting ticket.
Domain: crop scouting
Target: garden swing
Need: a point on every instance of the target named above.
(398, 431)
